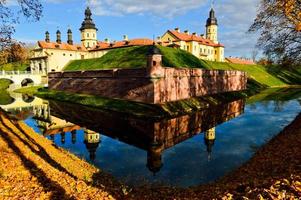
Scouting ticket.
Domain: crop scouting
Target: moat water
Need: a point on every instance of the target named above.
(184, 151)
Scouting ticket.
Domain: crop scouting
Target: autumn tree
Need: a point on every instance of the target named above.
(9, 17)
(279, 24)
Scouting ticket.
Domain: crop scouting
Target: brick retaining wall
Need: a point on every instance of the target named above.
(150, 85)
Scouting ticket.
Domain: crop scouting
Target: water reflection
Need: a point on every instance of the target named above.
(174, 150)
(57, 118)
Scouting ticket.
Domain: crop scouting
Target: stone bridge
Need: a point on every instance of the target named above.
(22, 78)
(23, 102)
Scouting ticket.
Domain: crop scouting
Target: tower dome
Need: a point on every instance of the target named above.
(212, 19)
(88, 22)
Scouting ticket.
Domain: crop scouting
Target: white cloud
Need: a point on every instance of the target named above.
(236, 16)
(167, 8)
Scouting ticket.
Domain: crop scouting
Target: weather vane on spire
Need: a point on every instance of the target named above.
(212, 4)
(88, 3)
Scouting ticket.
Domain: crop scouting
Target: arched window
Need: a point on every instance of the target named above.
(87, 34)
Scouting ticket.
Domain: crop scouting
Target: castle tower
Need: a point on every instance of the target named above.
(73, 136)
(212, 27)
(69, 34)
(58, 37)
(209, 141)
(47, 37)
(92, 140)
(88, 30)
(154, 158)
(154, 62)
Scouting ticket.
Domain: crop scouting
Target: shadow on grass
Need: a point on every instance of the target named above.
(41, 152)
(288, 75)
(49, 185)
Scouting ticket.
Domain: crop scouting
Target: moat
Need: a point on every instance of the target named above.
(185, 151)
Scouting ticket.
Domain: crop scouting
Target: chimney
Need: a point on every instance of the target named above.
(107, 40)
(202, 35)
(187, 32)
(125, 38)
(47, 38)
(69, 33)
(194, 34)
(58, 37)
(177, 29)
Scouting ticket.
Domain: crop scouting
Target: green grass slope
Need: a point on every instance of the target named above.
(135, 57)
(257, 73)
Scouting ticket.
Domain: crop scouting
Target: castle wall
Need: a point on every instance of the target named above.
(155, 86)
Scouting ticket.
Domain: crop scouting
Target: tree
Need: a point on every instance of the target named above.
(279, 24)
(30, 9)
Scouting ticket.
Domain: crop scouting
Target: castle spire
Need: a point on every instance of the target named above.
(88, 22)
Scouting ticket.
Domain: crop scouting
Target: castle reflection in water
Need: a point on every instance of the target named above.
(55, 119)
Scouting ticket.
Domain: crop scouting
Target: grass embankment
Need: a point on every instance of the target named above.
(135, 57)
(4, 96)
(15, 66)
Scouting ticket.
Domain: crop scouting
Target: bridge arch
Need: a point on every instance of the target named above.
(27, 98)
(26, 82)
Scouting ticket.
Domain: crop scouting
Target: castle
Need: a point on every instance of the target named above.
(50, 56)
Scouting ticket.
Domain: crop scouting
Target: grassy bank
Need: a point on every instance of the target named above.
(264, 76)
(135, 57)
(4, 95)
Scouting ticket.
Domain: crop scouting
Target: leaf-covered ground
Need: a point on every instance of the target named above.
(33, 168)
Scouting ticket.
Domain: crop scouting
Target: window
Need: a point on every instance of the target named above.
(70, 54)
(93, 35)
(64, 54)
(215, 52)
(51, 53)
(87, 34)
(82, 56)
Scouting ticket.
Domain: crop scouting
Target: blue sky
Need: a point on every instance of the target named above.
(145, 18)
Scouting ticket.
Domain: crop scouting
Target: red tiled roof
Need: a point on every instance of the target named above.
(240, 61)
(190, 37)
(134, 42)
(62, 46)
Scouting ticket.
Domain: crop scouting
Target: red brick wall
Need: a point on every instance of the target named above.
(159, 85)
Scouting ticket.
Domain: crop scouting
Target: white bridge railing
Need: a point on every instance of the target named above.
(2, 73)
